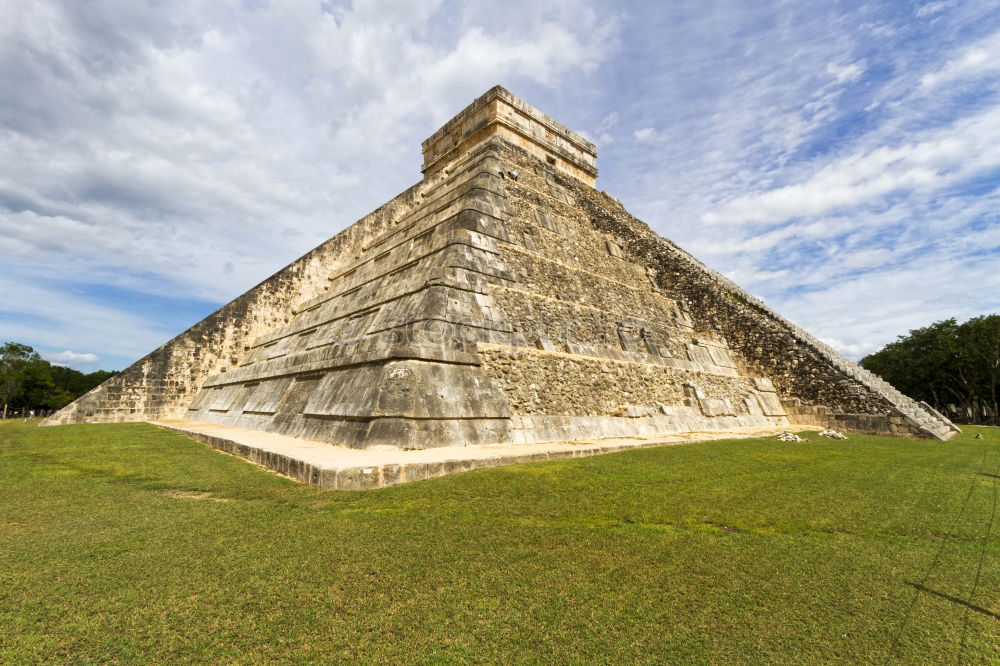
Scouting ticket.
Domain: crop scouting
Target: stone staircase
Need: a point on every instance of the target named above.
(921, 416)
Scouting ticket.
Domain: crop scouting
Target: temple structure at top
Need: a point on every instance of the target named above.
(500, 114)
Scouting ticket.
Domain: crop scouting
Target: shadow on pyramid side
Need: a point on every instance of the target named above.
(502, 299)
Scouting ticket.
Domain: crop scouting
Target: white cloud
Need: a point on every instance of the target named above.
(609, 121)
(854, 350)
(895, 300)
(859, 211)
(44, 316)
(70, 357)
(868, 258)
(646, 135)
(935, 160)
(980, 58)
(933, 8)
(604, 135)
(847, 73)
(236, 132)
(191, 149)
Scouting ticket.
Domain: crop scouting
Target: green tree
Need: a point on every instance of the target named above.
(15, 360)
(947, 364)
(30, 382)
(979, 363)
(41, 389)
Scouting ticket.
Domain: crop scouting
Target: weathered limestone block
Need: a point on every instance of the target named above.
(770, 404)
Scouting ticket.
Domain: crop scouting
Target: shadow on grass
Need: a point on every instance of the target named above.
(961, 602)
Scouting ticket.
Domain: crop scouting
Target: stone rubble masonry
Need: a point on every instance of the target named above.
(500, 300)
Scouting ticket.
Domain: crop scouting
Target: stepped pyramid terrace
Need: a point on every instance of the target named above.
(502, 302)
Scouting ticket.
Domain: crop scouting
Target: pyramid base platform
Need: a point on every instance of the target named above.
(342, 468)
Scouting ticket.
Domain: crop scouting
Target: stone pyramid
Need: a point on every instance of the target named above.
(502, 299)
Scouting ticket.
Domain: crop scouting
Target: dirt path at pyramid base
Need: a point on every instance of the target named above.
(339, 467)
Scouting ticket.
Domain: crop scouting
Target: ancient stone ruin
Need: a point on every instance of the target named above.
(500, 300)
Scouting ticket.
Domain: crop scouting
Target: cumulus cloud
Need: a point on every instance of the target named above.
(72, 358)
(190, 149)
(235, 130)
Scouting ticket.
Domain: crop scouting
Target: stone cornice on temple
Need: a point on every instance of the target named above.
(499, 113)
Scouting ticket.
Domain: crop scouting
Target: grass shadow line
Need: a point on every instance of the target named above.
(961, 602)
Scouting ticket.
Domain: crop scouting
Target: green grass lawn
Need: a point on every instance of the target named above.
(124, 543)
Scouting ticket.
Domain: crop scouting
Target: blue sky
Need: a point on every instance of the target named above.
(841, 160)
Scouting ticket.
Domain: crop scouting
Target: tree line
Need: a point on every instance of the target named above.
(29, 382)
(954, 367)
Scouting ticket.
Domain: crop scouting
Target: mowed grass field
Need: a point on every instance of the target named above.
(127, 543)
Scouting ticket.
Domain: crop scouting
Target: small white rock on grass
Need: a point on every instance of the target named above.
(833, 434)
(789, 436)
